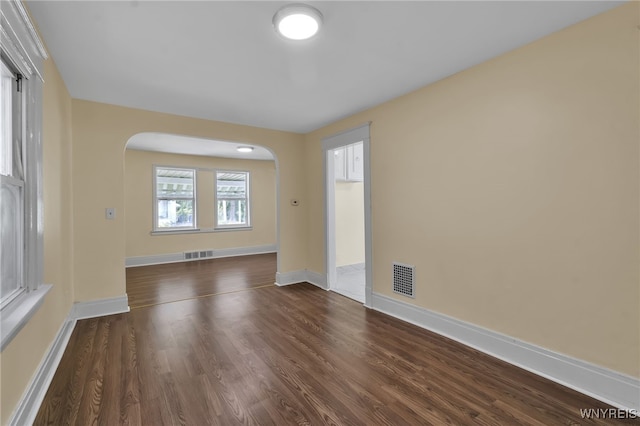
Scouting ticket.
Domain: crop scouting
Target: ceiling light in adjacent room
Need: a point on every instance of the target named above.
(245, 149)
(297, 21)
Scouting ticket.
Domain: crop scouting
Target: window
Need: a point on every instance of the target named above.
(232, 199)
(22, 291)
(12, 188)
(175, 198)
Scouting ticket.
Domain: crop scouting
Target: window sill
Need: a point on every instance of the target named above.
(233, 228)
(19, 312)
(200, 231)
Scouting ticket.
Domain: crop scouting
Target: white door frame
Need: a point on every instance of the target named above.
(349, 137)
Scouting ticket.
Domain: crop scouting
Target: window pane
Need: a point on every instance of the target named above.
(11, 237)
(231, 185)
(232, 212)
(175, 213)
(174, 183)
(6, 123)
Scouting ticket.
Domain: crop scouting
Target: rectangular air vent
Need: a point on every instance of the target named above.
(403, 279)
(193, 255)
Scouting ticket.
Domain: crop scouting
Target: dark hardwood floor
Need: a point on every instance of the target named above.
(151, 285)
(285, 356)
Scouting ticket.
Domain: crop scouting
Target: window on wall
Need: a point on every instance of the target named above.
(13, 187)
(22, 290)
(175, 198)
(232, 199)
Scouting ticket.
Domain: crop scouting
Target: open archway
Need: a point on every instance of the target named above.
(190, 199)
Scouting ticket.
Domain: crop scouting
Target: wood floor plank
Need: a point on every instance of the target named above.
(242, 353)
(151, 285)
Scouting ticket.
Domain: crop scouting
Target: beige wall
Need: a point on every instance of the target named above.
(523, 171)
(349, 204)
(523, 177)
(139, 204)
(22, 356)
(100, 133)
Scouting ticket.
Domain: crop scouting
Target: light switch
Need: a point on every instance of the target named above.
(110, 213)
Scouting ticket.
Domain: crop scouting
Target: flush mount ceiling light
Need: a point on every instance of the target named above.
(297, 21)
(245, 149)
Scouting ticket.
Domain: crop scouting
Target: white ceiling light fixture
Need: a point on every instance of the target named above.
(245, 149)
(297, 21)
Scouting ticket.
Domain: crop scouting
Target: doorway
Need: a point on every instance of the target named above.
(348, 214)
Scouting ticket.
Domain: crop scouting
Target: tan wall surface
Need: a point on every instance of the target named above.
(349, 223)
(23, 355)
(523, 173)
(100, 133)
(139, 204)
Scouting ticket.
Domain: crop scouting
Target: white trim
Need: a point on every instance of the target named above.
(16, 42)
(156, 228)
(606, 385)
(33, 34)
(27, 409)
(248, 198)
(301, 276)
(317, 279)
(18, 313)
(159, 259)
(348, 137)
(291, 277)
(99, 308)
(176, 231)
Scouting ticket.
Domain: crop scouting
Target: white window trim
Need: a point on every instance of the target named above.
(218, 227)
(175, 229)
(22, 47)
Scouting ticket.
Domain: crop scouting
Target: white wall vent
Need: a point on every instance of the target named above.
(403, 279)
(193, 255)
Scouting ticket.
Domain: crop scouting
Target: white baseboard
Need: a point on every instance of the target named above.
(27, 409)
(606, 385)
(317, 279)
(100, 308)
(179, 257)
(157, 259)
(301, 276)
(291, 277)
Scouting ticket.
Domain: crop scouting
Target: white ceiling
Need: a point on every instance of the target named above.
(223, 60)
(162, 142)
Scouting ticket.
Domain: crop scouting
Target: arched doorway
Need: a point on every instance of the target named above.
(191, 199)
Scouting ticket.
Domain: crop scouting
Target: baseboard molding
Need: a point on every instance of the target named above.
(157, 259)
(27, 409)
(317, 279)
(179, 257)
(100, 308)
(606, 385)
(291, 277)
(301, 276)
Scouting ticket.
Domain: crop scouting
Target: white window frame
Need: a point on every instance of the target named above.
(175, 229)
(11, 180)
(23, 50)
(222, 227)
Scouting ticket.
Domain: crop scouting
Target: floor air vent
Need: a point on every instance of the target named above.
(192, 255)
(403, 279)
